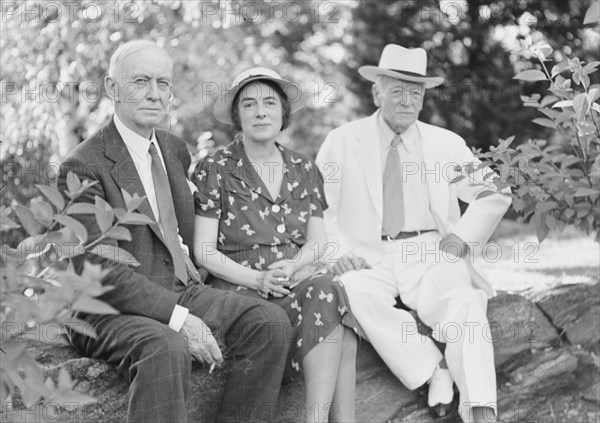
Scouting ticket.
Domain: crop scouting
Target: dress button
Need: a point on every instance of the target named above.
(275, 208)
(167, 261)
(281, 228)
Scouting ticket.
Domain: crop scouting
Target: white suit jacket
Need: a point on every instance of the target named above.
(350, 160)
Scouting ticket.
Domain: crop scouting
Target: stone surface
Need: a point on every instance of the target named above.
(516, 326)
(541, 377)
(575, 310)
(550, 386)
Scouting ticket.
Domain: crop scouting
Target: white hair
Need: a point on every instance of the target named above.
(127, 49)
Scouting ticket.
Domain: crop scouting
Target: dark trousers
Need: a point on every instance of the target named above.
(157, 362)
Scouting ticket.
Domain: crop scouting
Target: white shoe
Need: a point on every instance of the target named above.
(440, 387)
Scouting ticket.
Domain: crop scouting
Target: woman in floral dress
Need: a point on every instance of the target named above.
(259, 209)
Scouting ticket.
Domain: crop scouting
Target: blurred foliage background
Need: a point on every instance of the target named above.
(55, 54)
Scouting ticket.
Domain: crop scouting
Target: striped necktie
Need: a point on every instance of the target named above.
(167, 218)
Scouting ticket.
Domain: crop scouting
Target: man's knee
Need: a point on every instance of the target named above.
(271, 324)
(168, 345)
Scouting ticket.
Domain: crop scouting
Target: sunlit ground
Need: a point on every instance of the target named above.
(516, 261)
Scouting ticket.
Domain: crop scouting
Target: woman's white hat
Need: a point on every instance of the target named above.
(222, 108)
(407, 64)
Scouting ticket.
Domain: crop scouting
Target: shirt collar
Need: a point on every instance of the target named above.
(136, 144)
(236, 151)
(409, 137)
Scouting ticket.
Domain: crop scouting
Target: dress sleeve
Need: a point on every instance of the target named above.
(318, 203)
(207, 200)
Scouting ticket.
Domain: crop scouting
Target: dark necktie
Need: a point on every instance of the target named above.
(393, 198)
(167, 218)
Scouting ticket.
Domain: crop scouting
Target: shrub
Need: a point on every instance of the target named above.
(555, 183)
(38, 286)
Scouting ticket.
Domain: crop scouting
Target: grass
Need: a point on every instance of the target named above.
(517, 262)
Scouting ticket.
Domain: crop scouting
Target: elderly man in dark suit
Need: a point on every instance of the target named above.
(167, 315)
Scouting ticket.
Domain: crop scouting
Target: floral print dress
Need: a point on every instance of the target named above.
(256, 230)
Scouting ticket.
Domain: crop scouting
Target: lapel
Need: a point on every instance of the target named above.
(367, 148)
(124, 172)
(180, 190)
(292, 174)
(436, 171)
(242, 168)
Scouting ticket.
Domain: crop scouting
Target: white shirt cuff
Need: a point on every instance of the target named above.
(178, 317)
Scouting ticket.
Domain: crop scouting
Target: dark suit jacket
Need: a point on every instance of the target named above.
(151, 289)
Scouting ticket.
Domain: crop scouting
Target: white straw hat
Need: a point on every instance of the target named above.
(222, 108)
(407, 64)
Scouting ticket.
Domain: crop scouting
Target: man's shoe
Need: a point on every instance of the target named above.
(441, 393)
(447, 412)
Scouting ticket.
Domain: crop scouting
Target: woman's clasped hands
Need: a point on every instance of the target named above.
(274, 282)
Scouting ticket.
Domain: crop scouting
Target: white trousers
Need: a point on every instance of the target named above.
(437, 285)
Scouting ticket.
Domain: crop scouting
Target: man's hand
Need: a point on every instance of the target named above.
(202, 343)
(349, 262)
(453, 244)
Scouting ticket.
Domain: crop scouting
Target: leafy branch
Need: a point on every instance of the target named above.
(39, 287)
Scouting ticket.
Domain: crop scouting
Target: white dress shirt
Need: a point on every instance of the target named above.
(138, 147)
(417, 215)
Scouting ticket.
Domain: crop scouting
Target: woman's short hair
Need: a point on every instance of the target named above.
(285, 105)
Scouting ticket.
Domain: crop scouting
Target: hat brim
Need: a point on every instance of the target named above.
(372, 72)
(293, 92)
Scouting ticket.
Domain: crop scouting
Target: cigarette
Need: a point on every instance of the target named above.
(212, 367)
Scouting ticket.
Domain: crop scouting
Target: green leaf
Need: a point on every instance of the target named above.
(531, 75)
(42, 211)
(53, 195)
(70, 248)
(80, 326)
(458, 179)
(132, 202)
(116, 254)
(7, 224)
(544, 122)
(541, 230)
(590, 67)
(102, 204)
(565, 116)
(12, 349)
(569, 161)
(545, 206)
(71, 399)
(518, 204)
(558, 68)
(563, 104)
(73, 184)
(549, 99)
(94, 272)
(136, 219)
(119, 233)
(592, 15)
(73, 224)
(27, 219)
(584, 192)
(64, 380)
(485, 193)
(104, 219)
(93, 306)
(82, 208)
(581, 105)
(552, 114)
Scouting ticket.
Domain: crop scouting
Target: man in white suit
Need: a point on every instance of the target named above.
(392, 188)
